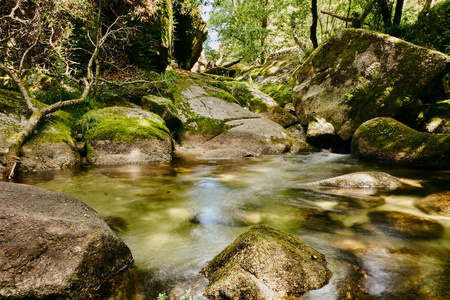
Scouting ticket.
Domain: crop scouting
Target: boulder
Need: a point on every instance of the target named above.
(120, 135)
(433, 117)
(406, 225)
(54, 246)
(266, 263)
(320, 133)
(367, 180)
(164, 108)
(241, 138)
(51, 147)
(435, 204)
(190, 33)
(388, 141)
(297, 130)
(359, 75)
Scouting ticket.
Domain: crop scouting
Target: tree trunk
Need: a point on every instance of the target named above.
(398, 12)
(385, 13)
(313, 32)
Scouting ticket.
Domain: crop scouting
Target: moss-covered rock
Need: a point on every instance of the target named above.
(406, 225)
(433, 117)
(190, 33)
(388, 141)
(358, 75)
(266, 263)
(52, 146)
(118, 135)
(164, 108)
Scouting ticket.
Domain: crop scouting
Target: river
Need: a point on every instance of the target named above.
(176, 217)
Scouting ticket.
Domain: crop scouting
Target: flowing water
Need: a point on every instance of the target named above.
(177, 217)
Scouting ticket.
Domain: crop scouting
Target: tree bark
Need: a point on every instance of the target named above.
(398, 12)
(313, 31)
(232, 63)
(385, 13)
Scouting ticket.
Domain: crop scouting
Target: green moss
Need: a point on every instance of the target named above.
(206, 126)
(56, 128)
(281, 93)
(114, 124)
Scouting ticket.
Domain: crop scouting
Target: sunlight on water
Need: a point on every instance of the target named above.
(175, 218)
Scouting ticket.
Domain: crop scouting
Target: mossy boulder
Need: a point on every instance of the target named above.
(406, 225)
(388, 141)
(432, 117)
(54, 246)
(266, 263)
(435, 204)
(164, 108)
(358, 75)
(190, 33)
(52, 146)
(119, 135)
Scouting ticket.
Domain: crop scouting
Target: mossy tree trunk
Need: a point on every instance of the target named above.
(313, 32)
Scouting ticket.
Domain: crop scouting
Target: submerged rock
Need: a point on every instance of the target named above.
(406, 225)
(388, 141)
(367, 180)
(435, 204)
(120, 135)
(265, 263)
(359, 75)
(54, 246)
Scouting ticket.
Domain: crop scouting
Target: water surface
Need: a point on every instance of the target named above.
(177, 217)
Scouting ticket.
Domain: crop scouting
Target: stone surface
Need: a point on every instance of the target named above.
(388, 141)
(367, 180)
(433, 118)
(320, 133)
(247, 137)
(120, 135)
(435, 204)
(406, 225)
(358, 75)
(164, 108)
(54, 246)
(265, 263)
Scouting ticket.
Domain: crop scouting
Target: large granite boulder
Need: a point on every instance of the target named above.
(54, 246)
(358, 75)
(435, 204)
(51, 147)
(266, 263)
(388, 141)
(120, 135)
(190, 33)
(432, 117)
(218, 129)
(367, 180)
(406, 225)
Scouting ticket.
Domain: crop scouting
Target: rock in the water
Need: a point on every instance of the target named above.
(433, 118)
(164, 108)
(359, 75)
(320, 133)
(388, 141)
(367, 180)
(119, 135)
(435, 204)
(54, 246)
(266, 263)
(406, 225)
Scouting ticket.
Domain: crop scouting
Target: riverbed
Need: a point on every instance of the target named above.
(176, 217)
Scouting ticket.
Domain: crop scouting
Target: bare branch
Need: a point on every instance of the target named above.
(25, 54)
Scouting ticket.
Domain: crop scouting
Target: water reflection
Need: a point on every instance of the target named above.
(176, 217)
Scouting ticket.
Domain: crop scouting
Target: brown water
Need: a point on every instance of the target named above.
(177, 217)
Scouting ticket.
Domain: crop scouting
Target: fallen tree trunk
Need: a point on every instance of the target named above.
(234, 62)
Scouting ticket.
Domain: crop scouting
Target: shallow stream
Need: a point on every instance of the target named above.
(177, 217)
